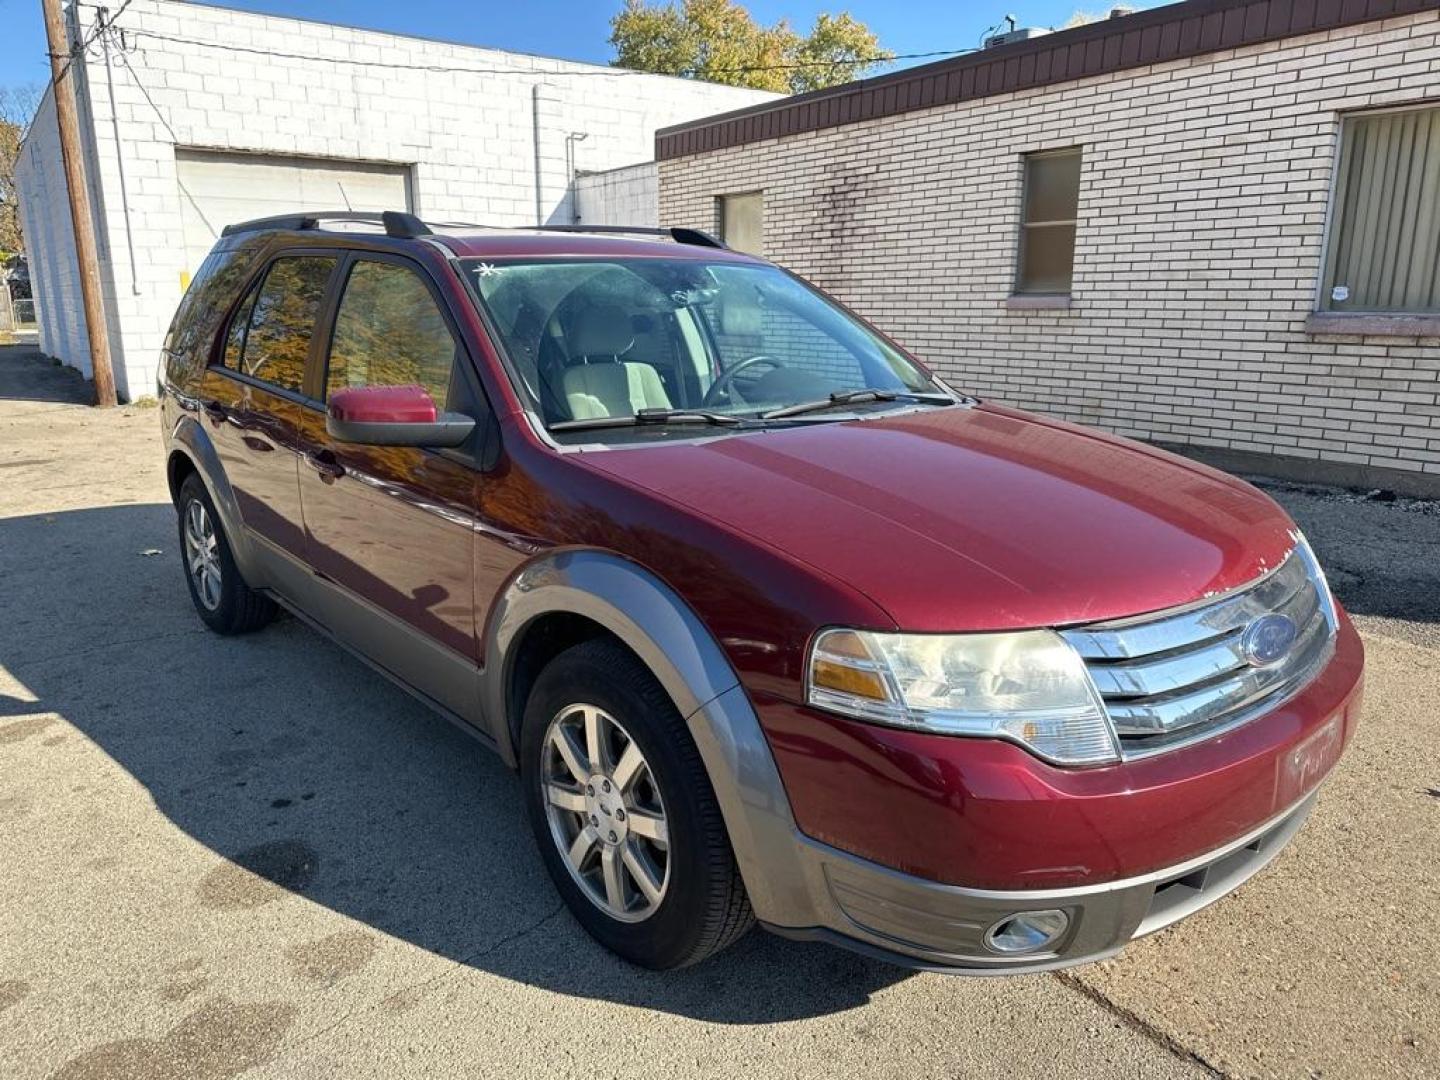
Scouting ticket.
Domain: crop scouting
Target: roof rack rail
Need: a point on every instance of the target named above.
(399, 225)
(681, 235)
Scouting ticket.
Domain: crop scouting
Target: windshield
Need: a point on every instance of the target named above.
(597, 339)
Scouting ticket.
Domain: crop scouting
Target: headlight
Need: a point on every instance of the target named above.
(1029, 687)
(1317, 575)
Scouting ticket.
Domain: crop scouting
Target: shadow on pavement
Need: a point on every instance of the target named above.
(285, 756)
(27, 374)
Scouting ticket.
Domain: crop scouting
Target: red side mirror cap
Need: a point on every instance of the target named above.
(383, 405)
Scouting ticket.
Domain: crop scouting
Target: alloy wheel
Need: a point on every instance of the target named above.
(605, 812)
(202, 554)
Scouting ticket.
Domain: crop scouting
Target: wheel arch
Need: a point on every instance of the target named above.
(191, 450)
(599, 592)
(569, 596)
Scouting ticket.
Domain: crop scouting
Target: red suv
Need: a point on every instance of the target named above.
(773, 623)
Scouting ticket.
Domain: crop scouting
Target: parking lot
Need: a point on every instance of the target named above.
(227, 856)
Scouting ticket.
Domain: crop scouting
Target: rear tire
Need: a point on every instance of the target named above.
(222, 599)
(659, 906)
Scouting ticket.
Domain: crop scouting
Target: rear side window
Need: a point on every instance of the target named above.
(184, 326)
(279, 321)
(202, 310)
(389, 332)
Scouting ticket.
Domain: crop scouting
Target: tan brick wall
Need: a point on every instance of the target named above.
(1202, 212)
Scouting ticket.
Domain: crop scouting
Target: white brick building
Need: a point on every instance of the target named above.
(1214, 299)
(194, 116)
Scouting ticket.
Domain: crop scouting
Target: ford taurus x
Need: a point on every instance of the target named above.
(774, 624)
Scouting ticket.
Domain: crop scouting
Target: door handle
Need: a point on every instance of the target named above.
(215, 411)
(324, 463)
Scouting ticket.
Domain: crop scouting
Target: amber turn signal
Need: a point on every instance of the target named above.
(834, 675)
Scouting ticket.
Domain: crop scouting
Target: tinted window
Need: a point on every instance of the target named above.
(389, 332)
(183, 326)
(235, 339)
(282, 320)
(192, 332)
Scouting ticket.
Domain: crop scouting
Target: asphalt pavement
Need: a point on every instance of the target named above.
(254, 856)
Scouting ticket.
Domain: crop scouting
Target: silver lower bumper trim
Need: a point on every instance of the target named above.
(919, 923)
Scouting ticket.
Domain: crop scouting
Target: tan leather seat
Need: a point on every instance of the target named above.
(601, 383)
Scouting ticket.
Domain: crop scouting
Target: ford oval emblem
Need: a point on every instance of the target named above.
(1268, 639)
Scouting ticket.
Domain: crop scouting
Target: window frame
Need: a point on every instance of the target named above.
(1018, 287)
(1322, 313)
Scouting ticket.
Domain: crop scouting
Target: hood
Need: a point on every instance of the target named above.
(976, 518)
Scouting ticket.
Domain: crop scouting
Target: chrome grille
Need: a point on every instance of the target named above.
(1175, 677)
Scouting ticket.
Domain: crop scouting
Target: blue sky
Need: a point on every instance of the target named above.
(579, 29)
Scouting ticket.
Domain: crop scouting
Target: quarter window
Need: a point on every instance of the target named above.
(281, 321)
(742, 222)
(1047, 230)
(235, 339)
(1385, 225)
(389, 332)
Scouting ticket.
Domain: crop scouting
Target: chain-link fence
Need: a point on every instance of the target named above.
(16, 316)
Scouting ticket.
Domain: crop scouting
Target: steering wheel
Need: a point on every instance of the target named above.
(722, 384)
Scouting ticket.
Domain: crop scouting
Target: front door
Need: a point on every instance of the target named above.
(391, 526)
(251, 399)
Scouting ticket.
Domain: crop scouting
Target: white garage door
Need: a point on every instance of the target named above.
(219, 189)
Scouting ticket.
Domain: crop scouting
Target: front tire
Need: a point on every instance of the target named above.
(222, 599)
(624, 812)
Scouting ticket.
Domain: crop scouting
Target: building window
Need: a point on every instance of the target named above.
(1047, 229)
(1385, 217)
(742, 221)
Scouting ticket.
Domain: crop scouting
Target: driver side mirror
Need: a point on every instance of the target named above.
(393, 416)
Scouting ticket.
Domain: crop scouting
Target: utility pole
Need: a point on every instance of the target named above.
(63, 83)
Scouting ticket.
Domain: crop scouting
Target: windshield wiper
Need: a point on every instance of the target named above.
(850, 397)
(647, 418)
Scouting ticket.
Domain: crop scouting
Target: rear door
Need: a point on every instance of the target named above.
(252, 398)
(392, 526)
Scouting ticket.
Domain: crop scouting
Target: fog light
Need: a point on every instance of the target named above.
(1029, 931)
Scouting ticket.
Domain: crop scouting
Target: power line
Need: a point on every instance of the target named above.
(450, 69)
(79, 48)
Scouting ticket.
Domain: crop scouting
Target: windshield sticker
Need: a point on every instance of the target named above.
(487, 270)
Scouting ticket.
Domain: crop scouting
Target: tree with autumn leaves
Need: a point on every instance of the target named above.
(717, 41)
(17, 109)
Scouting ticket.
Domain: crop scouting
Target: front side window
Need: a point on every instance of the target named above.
(1047, 230)
(742, 222)
(594, 339)
(389, 332)
(276, 338)
(1385, 218)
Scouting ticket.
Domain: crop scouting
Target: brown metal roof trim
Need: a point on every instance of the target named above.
(1166, 33)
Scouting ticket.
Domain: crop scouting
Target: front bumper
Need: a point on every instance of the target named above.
(912, 846)
(874, 910)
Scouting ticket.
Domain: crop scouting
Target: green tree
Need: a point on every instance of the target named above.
(17, 109)
(718, 41)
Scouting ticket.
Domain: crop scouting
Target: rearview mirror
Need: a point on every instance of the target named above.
(393, 416)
